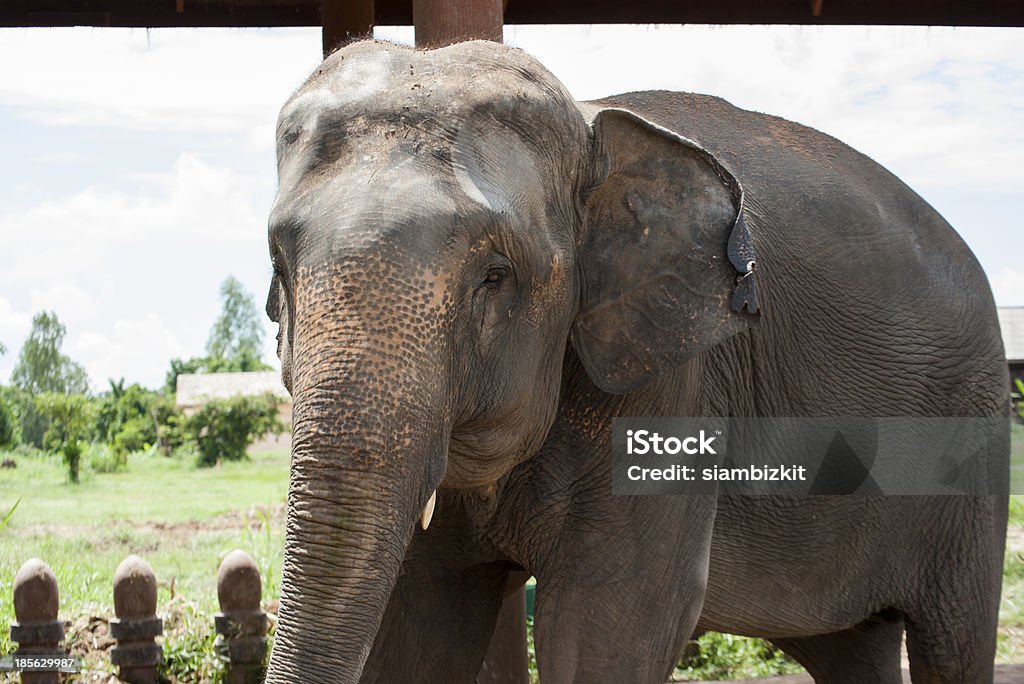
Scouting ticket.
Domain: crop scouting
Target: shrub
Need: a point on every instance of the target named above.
(70, 417)
(102, 458)
(225, 428)
(133, 418)
(135, 435)
(725, 656)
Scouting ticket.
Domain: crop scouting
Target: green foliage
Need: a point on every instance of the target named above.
(9, 515)
(103, 458)
(70, 417)
(225, 428)
(726, 656)
(238, 331)
(8, 425)
(134, 418)
(41, 366)
(31, 425)
(188, 645)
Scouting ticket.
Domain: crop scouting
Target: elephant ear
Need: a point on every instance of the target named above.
(667, 262)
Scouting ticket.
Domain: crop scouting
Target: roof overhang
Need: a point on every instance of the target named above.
(257, 13)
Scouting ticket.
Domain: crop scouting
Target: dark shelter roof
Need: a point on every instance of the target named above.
(170, 13)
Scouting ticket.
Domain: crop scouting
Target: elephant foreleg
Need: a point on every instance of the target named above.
(619, 602)
(443, 609)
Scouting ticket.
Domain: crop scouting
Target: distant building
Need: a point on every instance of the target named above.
(1011, 320)
(195, 389)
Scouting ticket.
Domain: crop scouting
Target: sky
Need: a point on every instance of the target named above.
(137, 167)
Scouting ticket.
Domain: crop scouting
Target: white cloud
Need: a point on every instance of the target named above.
(128, 349)
(14, 328)
(939, 106)
(75, 236)
(1008, 287)
(193, 80)
(133, 270)
(70, 302)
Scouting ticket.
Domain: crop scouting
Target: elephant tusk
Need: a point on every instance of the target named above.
(428, 511)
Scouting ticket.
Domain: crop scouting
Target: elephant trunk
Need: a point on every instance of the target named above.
(366, 458)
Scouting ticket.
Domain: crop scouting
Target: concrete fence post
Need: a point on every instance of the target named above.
(136, 625)
(241, 624)
(36, 627)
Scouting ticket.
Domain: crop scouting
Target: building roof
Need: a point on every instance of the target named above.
(195, 389)
(165, 13)
(1011, 321)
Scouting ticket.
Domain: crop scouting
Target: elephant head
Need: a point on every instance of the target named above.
(447, 223)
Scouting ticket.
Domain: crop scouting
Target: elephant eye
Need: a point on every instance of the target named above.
(495, 277)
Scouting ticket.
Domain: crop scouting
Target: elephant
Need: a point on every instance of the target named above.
(474, 275)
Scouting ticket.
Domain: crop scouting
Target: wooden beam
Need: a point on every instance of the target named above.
(443, 22)
(345, 20)
(160, 13)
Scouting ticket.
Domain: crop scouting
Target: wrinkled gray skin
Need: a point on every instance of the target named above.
(474, 274)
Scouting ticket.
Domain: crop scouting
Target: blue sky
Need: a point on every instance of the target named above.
(138, 167)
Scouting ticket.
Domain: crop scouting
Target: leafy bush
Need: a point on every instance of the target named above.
(726, 656)
(225, 428)
(134, 418)
(102, 458)
(70, 417)
(135, 435)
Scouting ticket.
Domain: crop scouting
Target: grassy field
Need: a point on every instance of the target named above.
(180, 518)
(184, 519)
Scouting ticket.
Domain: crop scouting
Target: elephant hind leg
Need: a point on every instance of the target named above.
(866, 654)
(957, 650)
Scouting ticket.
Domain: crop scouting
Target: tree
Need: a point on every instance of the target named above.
(8, 424)
(70, 417)
(41, 366)
(235, 341)
(238, 331)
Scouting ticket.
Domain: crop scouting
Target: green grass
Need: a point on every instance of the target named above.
(180, 518)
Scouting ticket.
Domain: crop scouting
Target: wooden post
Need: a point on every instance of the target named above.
(344, 20)
(443, 22)
(136, 654)
(241, 624)
(37, 629)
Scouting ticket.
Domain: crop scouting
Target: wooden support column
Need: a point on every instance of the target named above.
(443, 22)
(343, 20)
